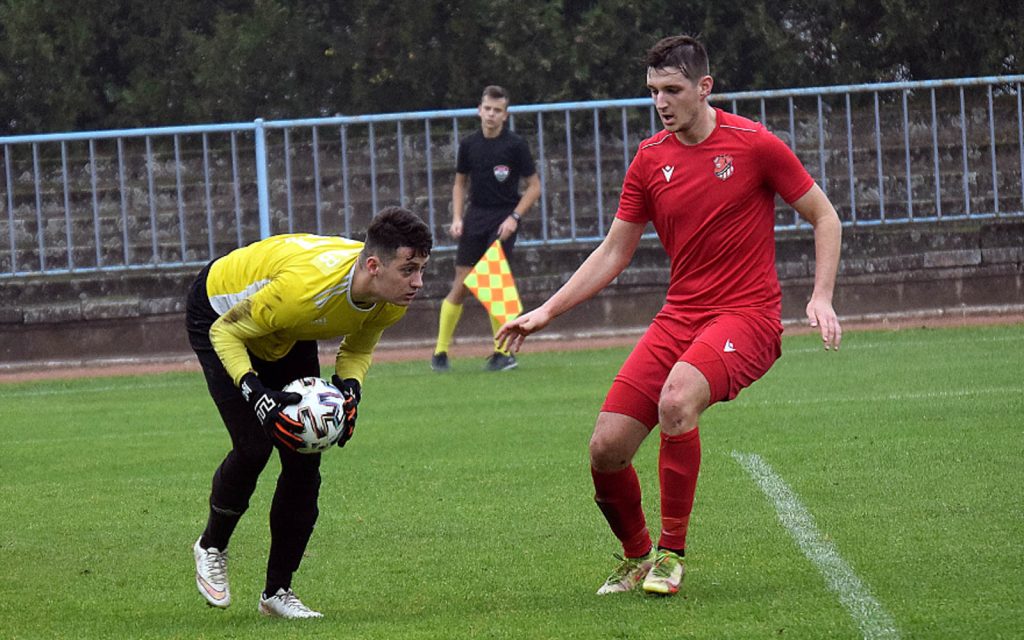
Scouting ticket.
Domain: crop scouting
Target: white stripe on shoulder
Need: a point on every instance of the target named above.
(729, 126)
(655, 143)
(225, 301)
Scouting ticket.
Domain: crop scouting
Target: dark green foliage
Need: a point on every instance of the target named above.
(93, 64)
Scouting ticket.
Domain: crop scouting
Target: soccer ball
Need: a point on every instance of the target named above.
(319, 412)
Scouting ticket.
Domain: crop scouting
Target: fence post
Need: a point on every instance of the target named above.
(262, 191)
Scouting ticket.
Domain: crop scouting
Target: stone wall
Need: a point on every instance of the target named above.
(896, 271)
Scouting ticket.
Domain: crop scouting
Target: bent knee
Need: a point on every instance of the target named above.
(607, 454)
(677, 416)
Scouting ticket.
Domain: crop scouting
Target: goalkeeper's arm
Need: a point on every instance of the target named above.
(351, 392)
(269, 405)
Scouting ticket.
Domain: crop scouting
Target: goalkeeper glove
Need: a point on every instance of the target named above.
(269, 407)
(351, 393)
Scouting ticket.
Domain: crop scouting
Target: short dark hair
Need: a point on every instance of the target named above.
(494, 92)
(685, 53)
(396, 227)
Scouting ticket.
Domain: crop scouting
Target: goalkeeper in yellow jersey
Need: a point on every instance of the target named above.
(254, 317)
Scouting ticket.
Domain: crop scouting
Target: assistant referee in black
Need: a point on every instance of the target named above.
(491, 161)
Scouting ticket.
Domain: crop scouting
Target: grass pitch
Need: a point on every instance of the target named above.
(463, 509)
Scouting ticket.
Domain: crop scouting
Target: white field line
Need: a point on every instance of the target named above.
(870, 616)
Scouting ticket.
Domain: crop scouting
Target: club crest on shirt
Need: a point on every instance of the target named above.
(723, 167)
(501, 172)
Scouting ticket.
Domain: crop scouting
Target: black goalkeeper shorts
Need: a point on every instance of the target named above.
(302, 361)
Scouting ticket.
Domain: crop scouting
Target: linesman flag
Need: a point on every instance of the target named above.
(491, 282)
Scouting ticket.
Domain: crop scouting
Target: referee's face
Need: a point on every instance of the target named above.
(493, 114)
(399, 280)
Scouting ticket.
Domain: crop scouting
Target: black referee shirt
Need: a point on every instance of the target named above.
(495, 166)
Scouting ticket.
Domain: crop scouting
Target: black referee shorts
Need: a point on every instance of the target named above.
(479, 230)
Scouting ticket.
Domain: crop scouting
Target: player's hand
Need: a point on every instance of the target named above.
(269, 405)
(512, 334)
(455, 229)
(507, 228)
(820, 314)
(351, 391)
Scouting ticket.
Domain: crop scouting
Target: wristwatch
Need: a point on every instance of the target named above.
(516, 217)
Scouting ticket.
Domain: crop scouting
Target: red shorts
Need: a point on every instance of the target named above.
(731, 350)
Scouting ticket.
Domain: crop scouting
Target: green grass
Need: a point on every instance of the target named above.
(463, 508)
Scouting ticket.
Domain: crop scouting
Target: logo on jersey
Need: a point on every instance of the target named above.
(728, 348)
(667, 170)
(723, 167)
(501, 172)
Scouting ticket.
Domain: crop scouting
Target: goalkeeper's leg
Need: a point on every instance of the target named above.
(233, 482)
(293, 514)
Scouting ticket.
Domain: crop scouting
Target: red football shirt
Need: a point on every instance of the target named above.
(713, 207)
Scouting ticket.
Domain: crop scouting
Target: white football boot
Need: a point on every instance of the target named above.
(212, 575)
(628, 574)
(285, 604)
(666, 575)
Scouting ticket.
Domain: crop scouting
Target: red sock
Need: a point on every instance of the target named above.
(617, 494)
(678, 465)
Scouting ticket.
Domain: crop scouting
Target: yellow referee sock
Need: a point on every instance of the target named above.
(495, 325)
(450, 314)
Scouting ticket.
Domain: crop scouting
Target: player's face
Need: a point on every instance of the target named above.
(493, 114)
(680, 102)
(399, 280)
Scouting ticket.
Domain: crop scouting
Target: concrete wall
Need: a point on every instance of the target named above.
(921, 269)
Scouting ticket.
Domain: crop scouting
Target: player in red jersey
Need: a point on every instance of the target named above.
(707, 183)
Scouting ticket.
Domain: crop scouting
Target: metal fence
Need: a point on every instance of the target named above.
(172, 196)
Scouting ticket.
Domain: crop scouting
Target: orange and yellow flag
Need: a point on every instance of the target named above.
(491, 282)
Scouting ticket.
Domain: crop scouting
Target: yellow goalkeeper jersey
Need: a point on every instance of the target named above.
(293, 287)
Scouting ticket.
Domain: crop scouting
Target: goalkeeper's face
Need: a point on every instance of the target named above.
(398, 279)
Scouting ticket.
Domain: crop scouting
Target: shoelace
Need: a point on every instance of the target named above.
(663, 567)
(625, 566)
(216, 565)
(290, 600)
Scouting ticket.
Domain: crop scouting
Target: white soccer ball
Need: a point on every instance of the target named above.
(319, 412)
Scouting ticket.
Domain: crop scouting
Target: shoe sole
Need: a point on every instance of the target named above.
(658, 590)
(662, 588)
(269, 613)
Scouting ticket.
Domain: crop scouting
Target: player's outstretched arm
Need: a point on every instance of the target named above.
(601, 267)
(814, 206)
(512, 334)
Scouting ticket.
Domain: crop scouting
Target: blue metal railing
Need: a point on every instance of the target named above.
(886, 153)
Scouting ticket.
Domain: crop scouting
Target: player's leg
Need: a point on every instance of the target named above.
(501, 359)
(293, 514)
(294, 509)
(472, 245)
(728, 353)
(617, 493)
(232, 486)
(235, 479)
(628, 414)
(451, 312)
(684, 397)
